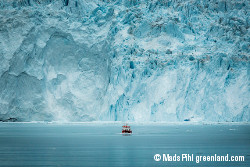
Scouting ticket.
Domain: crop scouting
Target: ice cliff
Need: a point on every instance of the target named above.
(124, 60)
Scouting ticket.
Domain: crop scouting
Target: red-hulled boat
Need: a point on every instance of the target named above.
(126, 129)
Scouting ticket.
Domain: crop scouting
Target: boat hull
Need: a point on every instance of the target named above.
(127, 132)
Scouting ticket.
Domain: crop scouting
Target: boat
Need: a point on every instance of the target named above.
(126, 129)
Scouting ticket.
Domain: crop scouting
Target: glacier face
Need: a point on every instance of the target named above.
(124, 60)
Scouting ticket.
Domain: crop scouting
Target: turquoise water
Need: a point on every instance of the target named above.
(38, 144)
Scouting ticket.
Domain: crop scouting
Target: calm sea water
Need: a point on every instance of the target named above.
(102, 144)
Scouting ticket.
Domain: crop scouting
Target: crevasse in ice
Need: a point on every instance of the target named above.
(124, 60)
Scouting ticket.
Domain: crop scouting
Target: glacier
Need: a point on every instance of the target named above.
(124, 60)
